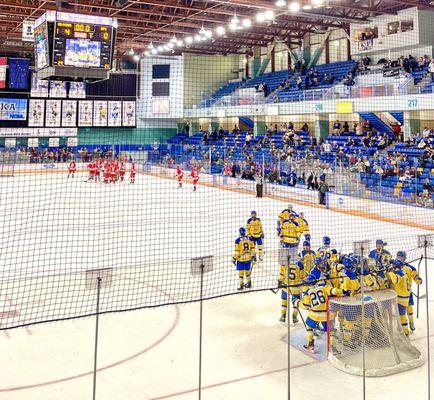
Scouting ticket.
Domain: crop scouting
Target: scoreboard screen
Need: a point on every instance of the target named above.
(82, 45)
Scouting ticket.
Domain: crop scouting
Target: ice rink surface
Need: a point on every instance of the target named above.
(54, 226)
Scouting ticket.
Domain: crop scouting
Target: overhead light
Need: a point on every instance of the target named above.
(166, 47)
(131, 52)
(233, 27)
(260, 17)
(317, 2)
(150, 45)
(294, 6)
(160, 49)
(136, 57)
(170, 45)
(189, 40)
(147, 53)
(173, 40)
(197, 38)
(307, 7)
(220, 30)
(235, 20)
(179, 43)
(154, 51)
(208, 34)
(247, 23)
(202, 31)
(280, 3)
(245, 60)
(269, 15)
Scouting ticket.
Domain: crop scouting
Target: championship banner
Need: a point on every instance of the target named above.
(33, 142)
(36, 112)
(72, 142)
(100, 113)
(69, 113)
(77, 90)
(53, 113)
(129, 113)
(85, 112)
(39, 87)
(28, 33)
(10, 143)
(53, 142)
(114, 113)
(57, 89)
(3, 68)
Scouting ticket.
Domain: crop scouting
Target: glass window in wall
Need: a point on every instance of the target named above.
(392, 27)
(407, 25)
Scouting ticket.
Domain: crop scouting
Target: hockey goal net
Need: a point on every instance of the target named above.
(367, 335)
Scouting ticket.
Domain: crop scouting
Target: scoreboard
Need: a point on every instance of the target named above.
(82, 45)
(72, 45)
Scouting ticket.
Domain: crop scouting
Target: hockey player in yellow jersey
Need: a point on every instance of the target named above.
(293, 281)
(289, 239)
(318, 294)
(284, 215)
(243, 259)
(400, 284)
(307, 256)
(256, 233)
(327, 251)
(412, 276)
(303, 226)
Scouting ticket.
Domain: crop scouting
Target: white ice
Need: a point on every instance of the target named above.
(51, 226)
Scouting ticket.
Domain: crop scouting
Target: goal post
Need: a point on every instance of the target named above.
(371, 325)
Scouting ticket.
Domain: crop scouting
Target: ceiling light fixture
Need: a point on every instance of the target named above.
(189, 40)
(294, 6)
(247, 23)
(280, 3)
(260, 17)
(220, 30)
(269, 15)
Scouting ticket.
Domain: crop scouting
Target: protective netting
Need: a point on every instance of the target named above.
(366, 336)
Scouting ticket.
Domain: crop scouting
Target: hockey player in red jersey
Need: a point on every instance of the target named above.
(133, 173)
(107, 171)
(179, 175)
(91, 169)
(114, 171)
(195, 178)
(122, 171)
(72, 168)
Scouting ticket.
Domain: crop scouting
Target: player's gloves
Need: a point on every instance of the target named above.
(254, 259)
(262, 236)
(278, 232)
(234, 261)
(347, 292)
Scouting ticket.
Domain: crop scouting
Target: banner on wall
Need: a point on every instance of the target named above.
(160, 106)
(36, 112)
(100, 113)
(72, 142)
(114, 113)
(28, 33)
(39, 87)
(129, 113)
(53, 113)
(33, 142)
(58, 89)
(77, 90)
(38, 132)
(19, 69)
(10, 143)
(85, 111)
(13, 109)
(69, 113)
(3, 68)
(53, 142)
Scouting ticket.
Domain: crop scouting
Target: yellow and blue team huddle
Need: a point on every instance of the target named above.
(312, 277)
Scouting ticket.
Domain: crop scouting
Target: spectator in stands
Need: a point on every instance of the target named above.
(300, 83)
(346, 127)
(349, 81)
(431, 69)
(396, 129)
(291, 125)
(328, 79)
(426, 132)
(337, 127)
(305, 127)
(187, 129)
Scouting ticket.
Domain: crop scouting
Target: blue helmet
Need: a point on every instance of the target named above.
(326, 240)
(243, 231)
(306, 244)
(253, 212)
(307, 237)
(310, 278)
(401, 254)
(380, 242)
(347, 262)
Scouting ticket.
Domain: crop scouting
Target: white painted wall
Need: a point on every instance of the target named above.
(176, 97)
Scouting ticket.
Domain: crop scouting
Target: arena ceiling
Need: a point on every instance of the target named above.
(157, 21)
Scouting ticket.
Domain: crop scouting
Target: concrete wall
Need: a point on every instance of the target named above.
(205, 74)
